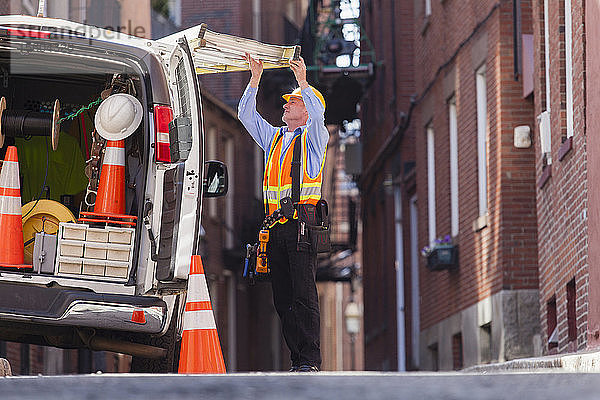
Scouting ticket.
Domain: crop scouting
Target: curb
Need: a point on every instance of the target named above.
(574, 362)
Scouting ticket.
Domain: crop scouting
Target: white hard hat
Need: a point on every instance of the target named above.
(118, 116)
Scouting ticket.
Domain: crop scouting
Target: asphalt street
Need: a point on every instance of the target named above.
(345, 386)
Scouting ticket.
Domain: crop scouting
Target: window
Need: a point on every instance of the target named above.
(231, 283)
(229, 220)
(213, 295)
(481, 88)
(453, 129)
(547, 54)
(544, 117)
(434, 354)
(175, 11)
(485, 343)
(414, 277)
(527, 55)
(457, 351)
(211, 143)
(25, 359)
(431, 183)
(427, 8)
(571, 310)
(211, 154)
(569, 66)
(552, 324)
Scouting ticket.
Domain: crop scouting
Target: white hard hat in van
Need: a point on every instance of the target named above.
(118, 116)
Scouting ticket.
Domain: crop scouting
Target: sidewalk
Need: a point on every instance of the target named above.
(573, 362)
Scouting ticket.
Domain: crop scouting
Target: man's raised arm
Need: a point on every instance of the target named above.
(261, 131)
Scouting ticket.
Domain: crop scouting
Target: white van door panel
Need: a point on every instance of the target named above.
(182, 193)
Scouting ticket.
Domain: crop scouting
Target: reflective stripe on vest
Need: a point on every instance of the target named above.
(277, 182)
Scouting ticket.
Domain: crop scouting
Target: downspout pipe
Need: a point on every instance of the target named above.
(399, 264)
(256, 22)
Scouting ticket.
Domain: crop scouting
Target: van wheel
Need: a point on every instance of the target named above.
(168, 341)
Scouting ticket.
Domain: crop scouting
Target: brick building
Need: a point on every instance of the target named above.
(586, 307)
(478, 183)
(567, 65)
(387, 186)
(469, 65)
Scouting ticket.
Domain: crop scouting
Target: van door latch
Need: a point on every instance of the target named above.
(147, 211)
(191, 183)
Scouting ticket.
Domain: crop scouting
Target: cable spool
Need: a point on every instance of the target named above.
(22, 123)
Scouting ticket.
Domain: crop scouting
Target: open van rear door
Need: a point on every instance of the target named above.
(182, 183)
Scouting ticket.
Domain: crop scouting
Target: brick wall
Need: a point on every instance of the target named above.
(502, 255)
(562, 200)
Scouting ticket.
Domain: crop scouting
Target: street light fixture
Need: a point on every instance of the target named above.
(352, 314)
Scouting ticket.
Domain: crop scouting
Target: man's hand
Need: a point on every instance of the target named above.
(256, 68)
(299, 69)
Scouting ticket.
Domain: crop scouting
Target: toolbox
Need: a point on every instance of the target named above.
(105, 252)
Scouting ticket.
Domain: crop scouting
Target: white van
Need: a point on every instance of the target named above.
(70, 300)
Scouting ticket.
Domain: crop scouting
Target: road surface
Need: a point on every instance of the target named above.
(271, 386)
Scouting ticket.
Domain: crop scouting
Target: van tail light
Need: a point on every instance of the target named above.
(162, 116)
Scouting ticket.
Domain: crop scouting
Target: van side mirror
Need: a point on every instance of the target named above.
(215, 179)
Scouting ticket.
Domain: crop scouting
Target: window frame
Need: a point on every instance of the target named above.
(454, 184)
(427, 4)
(431, 201)
(482, 139)
(569, 65)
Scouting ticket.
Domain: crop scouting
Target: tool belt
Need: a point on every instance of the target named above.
(313, 227)
(313, 233)
(251, 272)
(313, 223)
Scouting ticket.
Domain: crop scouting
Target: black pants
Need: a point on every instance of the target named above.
(295, 293)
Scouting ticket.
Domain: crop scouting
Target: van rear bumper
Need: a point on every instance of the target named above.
(76, 308)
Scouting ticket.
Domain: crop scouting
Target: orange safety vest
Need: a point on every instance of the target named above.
(277, 182)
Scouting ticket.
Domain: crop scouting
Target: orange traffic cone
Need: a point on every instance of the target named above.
(11, 228)
(111, 189)
(200, 347)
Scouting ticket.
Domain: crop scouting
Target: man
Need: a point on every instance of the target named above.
(292, 267)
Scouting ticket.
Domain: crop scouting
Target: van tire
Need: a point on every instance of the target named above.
(168, 341)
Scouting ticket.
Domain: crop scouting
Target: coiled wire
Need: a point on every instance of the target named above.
(17, 123)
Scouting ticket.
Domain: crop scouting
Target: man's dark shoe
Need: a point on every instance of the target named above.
(307, 368)
(293, 369)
